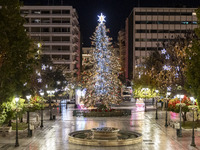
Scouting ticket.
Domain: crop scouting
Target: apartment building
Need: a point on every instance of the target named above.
(122, 52)
(147, 28)
(86, 54)
(57, 29)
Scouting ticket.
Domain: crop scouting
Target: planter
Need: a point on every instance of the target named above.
(174, 116)
(97, 113)
(5, 129)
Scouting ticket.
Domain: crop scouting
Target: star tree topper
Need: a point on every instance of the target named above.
(101, 18)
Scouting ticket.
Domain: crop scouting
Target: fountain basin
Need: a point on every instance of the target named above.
(105, 133)
(95, 137)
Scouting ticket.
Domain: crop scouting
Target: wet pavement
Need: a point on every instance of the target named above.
(54, 134)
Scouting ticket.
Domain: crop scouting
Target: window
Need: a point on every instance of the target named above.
(66, 48)
(184, 22)
(56, 38)
(44, 29)
(45, 12)
(56, 20)
(35, 29)
(45, 38)
(164, 13)
(35, 12)
(61, 30)
(186, 13)
(66, 38)
(65, 11)
(46, 47)
(68, 66)
(56, 12)
(66, 57)
(24, 11)
(56, 48)
(147, 48)
(56, 57)
(66, 20)
(65, 29)
(56, 29)
(35, 20)
(45, 20)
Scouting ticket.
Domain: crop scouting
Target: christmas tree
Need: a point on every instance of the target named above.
(101, 70)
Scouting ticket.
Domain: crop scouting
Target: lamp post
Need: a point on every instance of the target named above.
(193, 108)
(180, 129)
(156, 105)
(28, 117)
(50, 94)
(167, 95)
(60, 107)
(17, 142)
(41, 125)
(145, 93)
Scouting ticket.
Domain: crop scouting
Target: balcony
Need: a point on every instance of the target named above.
(52, 52)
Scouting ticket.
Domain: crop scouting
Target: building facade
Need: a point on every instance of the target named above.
(57, 29)
(86, 54)
(121, 43)
(147, 28)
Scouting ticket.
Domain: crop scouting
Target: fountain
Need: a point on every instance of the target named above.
(105, 136)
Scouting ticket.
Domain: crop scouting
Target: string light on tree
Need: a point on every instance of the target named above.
(39, 80)
(163, 51)
(43, 67)
(165, 67)
(167, 56)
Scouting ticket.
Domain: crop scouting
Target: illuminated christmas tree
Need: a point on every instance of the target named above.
(101, 70)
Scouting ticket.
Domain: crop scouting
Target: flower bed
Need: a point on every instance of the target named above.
(102, 113)
(174, 106)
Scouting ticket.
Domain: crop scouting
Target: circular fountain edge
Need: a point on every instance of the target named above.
(107, 142)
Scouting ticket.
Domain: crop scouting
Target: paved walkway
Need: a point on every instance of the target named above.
(54, 135)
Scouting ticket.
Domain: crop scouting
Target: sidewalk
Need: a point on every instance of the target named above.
(184, 141)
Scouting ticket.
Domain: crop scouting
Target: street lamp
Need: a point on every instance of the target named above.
(17, 142)
(193, 108)
(28, 117)
(156, 105)
(145, 93)
(180, 129)
(50, 94)
(41, 125)
(167, 95)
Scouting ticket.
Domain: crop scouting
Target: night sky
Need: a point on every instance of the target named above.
(116, 11)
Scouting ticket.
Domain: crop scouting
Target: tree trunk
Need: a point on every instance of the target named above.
(21, 119)
(184, 116)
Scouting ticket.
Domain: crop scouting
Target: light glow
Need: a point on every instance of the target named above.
(101, 18)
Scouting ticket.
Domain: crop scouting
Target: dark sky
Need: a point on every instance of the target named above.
(115, 11)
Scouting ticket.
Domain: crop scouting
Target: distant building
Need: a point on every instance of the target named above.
(86, 54)
(57, 28)
(122, 50)
(147, 28)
